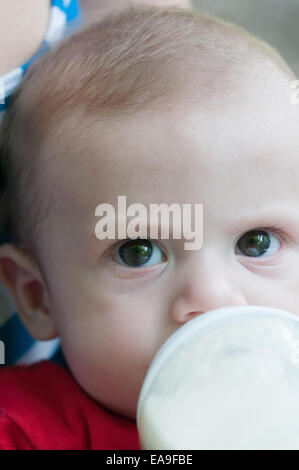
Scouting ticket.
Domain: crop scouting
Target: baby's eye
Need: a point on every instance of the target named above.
(258, 243)
(139, 252)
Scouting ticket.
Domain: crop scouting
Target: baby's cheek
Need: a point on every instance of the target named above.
(108, 367)
(275, 284)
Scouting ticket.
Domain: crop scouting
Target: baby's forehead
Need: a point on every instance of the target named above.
(250, 126)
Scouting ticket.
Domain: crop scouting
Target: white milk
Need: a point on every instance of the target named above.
(229, 379)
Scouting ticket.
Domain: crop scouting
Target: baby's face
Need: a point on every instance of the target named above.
(241, 161)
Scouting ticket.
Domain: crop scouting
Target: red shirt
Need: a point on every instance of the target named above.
(42, 407)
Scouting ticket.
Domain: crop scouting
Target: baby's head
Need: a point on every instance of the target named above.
(162, 106)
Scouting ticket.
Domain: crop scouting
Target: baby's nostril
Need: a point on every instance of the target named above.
(194, 314)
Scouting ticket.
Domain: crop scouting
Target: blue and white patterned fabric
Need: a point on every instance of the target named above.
(20, 347)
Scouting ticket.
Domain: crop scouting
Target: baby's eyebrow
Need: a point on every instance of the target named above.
(150, 229)
(282, 218)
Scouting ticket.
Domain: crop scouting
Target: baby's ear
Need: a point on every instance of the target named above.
(23, 279)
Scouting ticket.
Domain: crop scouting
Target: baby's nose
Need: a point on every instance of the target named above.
(205, 295)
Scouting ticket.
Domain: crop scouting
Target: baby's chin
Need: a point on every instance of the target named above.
(126, 411)
(114, 402)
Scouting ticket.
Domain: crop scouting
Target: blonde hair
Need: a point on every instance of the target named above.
(130, 61)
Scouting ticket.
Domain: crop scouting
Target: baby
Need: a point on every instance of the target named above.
(162, 106)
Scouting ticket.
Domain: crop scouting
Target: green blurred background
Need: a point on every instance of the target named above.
(275, 21)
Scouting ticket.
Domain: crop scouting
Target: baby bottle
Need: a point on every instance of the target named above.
(226, 380)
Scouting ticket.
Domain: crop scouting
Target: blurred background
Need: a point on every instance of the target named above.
(274, 21)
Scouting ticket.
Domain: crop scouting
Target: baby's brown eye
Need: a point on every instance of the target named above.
(139, 252)
(255, 243)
